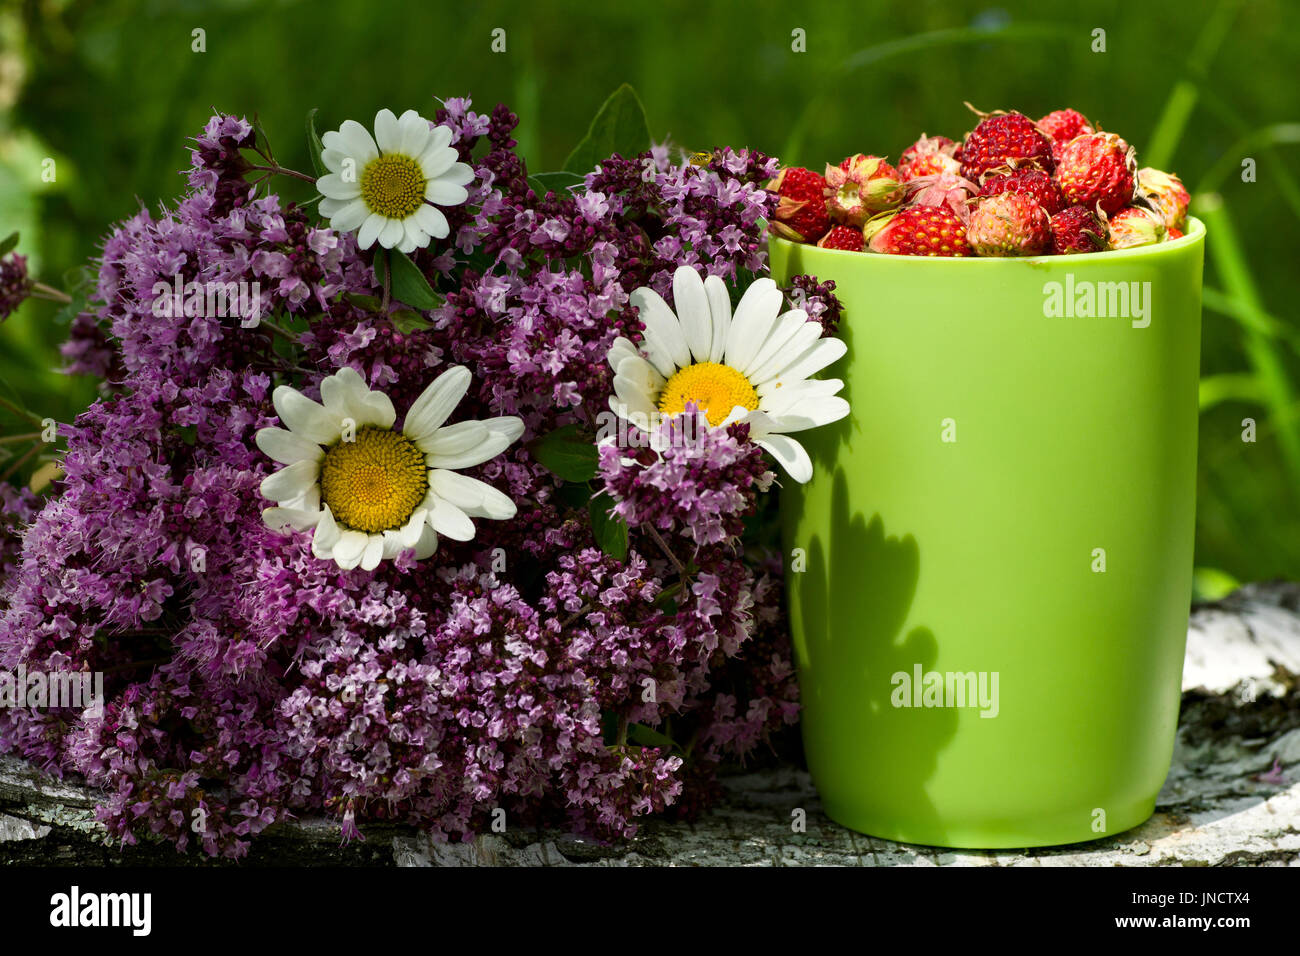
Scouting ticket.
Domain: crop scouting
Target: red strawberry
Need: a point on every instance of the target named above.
(918, 231)
(801, 210)
(1078, 229)
(1135, 226)
(936, 164)
(842, 237)
(927, 156)
(1009, 224)
(860, 187)
(1166, 194)
(1061, 126)
(1173, 232)
(1027, 182)
(1097, 169)
(1003, 139)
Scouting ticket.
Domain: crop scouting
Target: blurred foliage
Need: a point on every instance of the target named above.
(111, 89)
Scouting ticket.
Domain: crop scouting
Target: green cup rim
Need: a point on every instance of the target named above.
(1195, 233)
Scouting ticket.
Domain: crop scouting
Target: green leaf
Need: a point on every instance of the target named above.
(314, 144)
(407, 321)
(648, 737)
(610, 530)
(619, 127)
(410, 285)
(260, 135)
(566, 453)
(10, 243)
(381, 267)
(559, 182)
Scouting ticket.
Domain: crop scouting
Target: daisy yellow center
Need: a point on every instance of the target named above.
(715, 389)
(392, 185)
(375, 482)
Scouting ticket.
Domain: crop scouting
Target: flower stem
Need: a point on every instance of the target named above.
(663, 545)
(42, 291)
(279, 170)
(21, 460)
(20, 411)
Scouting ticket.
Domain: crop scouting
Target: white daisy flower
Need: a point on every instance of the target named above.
(389, 187)
(369, 490)
(751, 368)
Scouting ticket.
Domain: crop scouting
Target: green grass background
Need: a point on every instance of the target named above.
(111, 89)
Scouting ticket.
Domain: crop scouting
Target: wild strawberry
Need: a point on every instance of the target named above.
(1173, 232)
(1097, 169)
(927, 156)
(1003, 139)
(1135, 226)
(1165, 193)
(842, 237)
(1028, 182)
(1078, 229)
(942, 189)
(918, 231)
(801, 209)
(1008, 224)
(1061, 126)
(861, 186)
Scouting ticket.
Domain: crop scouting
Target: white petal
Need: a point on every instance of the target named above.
(437, 160)
(458, 174)
(447, 519)
(327, 535)
(415, 238)
(387, 134)
(774, 401)
(620, 349)
(290, 481)
(427, 544)
(790, 454)
(476, 498)
(416, 134)
(791, 338)
(720, 313)
(661, 325)
(432, 220)
(349, 548)
(755, 316)
(454, 440)
(445, 193)
(436, 403)
(820, 354)
(691, 304)
(332, 186)
(391, 234)
(297, 518)
(634, 395)
(346, 394)
(286, 447)
(370, 230)
(304, 417)
(810, 413)
(374, 552)
(638, 370)
(356, 141)
(348, 216)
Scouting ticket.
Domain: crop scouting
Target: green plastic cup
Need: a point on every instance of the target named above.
(989, 573)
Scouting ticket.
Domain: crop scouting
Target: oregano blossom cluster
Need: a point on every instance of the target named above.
(590, 656)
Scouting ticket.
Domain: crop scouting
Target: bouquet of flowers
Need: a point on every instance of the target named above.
(442, 493)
